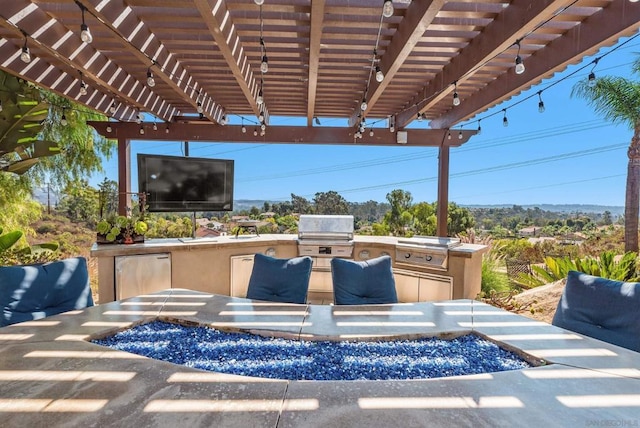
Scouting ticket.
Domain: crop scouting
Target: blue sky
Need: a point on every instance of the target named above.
(566, 155)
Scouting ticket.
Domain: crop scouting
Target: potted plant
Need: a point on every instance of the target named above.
(121, 229)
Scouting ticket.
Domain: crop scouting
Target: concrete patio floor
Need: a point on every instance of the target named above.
(51, 376)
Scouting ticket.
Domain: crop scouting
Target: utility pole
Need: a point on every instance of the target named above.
(48, 198)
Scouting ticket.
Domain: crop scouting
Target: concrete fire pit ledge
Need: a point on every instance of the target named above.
(50, 375)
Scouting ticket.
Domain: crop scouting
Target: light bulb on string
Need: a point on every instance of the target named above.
(591, 80)
(540, 103)
(259, 2)
(379, 74)
(155, 127)
(387, 8)
(371, 132)
(85, 33)
(460, 135)
(63, 120)
(479, 128)
(83, 88)
(259, 99)
(264, 65)
(456, 98)
(364, 105)
(112, 107)
(519, 65)
(25, 55)
(166, 129)
(141, 130)
(151, 82)
(109, 129)
(505, 121)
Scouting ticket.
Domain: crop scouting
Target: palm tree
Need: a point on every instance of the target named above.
(618, 100)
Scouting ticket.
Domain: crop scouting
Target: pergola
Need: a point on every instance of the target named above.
(192, 64)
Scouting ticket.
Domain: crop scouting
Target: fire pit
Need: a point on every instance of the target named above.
(276, 358)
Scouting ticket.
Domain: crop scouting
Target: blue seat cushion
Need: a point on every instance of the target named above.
(601, 308)
(363, 282)
(280, 280)
(36, 291)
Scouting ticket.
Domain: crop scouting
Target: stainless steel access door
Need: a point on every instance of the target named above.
(142, 274)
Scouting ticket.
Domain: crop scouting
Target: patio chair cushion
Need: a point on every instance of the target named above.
(280, 280)
(601, 308)
(363, 282)
(31, 292)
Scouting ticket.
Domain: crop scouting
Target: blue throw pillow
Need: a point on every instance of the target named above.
(36, 291)
(363, 283)
(601, 308)
(280, 280)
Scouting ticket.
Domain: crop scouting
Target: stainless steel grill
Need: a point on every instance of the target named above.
(428, 251)
(325, 236)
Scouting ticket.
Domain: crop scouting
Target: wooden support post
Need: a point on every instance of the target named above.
(442, 212)
(124, 176)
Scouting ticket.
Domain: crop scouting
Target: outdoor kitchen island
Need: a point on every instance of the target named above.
(223, 265)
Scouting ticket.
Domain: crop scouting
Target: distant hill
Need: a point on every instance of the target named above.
(564, 208)
(246, 204)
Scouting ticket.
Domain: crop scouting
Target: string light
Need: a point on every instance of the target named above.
(109, 129)
(155, 127)
(85, 33)
(25, 55)
(387, 8)
(540, 102)
(371, 132)
(379, 74)
(151, 82)
(448, 135)
(364, 105)
(112, 107)
(456, 98)
(591, 80)
(259, 2)
(166, 129)
(460, 135)
(260, 98)
(141, 130)
(479, 131)
(63, 119)
(83, 86)
(255, 132)
(505, 121)
(519, 65)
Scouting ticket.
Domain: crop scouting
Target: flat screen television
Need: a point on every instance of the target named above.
(179, 184)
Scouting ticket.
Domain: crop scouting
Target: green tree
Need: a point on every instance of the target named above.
(330, 203)
(300, 205)
(460, 219)
(400, 201)
(17, 209)
(82, 147)
(424, 218)
(80, 202)
(108, 197)
(618, 100)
